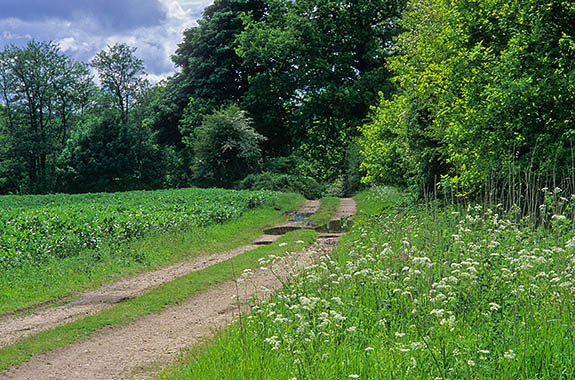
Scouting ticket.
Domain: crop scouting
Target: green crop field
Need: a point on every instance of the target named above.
(54, 245)
(36, 228)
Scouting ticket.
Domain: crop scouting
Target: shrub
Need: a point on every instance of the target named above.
(110, 155)
(306, 186)
(226, 148)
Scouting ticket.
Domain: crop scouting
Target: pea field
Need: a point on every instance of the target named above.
(54, 245)
(36, 228)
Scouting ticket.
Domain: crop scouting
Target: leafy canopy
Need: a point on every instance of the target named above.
(487, 92)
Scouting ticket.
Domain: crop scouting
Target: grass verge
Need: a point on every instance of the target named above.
(22, 288)
(327, 210)
(415, 292)
(154, 301)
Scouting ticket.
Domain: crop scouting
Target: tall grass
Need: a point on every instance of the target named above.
(416, 292)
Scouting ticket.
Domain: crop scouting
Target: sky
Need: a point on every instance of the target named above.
(84, 27)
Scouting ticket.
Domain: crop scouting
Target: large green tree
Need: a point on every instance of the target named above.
(121, 75)
(41, 89)
(319, 66)
(108, 154)
(210, 73)
(211, 70)
(487, 93)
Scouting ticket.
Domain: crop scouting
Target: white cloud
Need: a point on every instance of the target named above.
(83, 36)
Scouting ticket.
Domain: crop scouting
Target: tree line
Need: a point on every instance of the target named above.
(462, 96)
(62, 132)
(484, 103)
(262, 86)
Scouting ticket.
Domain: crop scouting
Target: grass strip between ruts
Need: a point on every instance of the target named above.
(154, 301)
(327, 210)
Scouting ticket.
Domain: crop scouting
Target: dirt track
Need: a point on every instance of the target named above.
(155, 340)
(14, 328)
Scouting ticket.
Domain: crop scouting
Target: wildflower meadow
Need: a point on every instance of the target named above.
(415, 292)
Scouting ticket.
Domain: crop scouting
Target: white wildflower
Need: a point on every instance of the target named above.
(493, 306)
(509, 355)
(437, 312)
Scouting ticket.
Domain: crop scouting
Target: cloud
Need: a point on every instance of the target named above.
(82, 27)
(113, 15)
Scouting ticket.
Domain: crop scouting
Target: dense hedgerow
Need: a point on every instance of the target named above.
(416, 293)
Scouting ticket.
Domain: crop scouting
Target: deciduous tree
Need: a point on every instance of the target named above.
(40, 88)
(122, 75)
(226, 148)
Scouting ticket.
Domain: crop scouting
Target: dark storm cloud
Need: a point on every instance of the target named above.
(114, 15)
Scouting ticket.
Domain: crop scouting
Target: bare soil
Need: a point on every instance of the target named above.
(154, 341)
(14, 328)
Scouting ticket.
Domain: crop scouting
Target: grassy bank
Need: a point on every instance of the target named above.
(154, 301)
(415, 292)
(57, 277)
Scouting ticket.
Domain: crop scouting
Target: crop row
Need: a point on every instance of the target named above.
(35, 228)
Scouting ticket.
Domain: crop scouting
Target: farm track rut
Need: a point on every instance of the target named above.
(15, 327)
(156, 340)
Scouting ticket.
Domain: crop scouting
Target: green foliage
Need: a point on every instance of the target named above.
(210, 75)
(320, 64)
(304, 185)
(122, 75)
(39, 228)
(353, 172)
(42, 90)
(110, 155)
(386, 153)
(226, 148)
(293, 164)
(211, 70)
(288, 174)
(487, 94)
